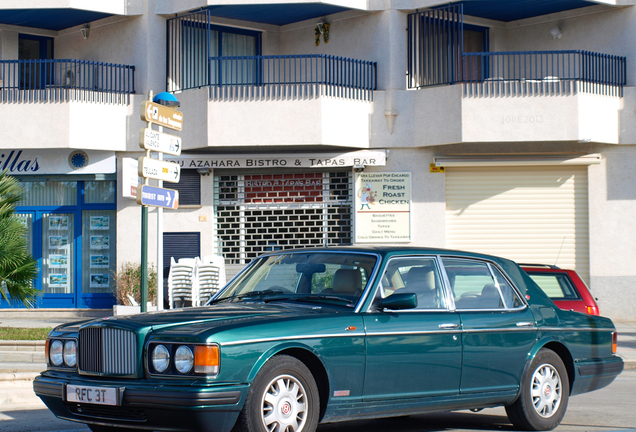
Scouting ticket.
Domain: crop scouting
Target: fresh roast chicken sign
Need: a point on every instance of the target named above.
(33, 162)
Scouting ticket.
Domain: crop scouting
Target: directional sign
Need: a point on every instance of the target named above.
(158, 197)
(159, 170)
(161, 142)
(161, 115)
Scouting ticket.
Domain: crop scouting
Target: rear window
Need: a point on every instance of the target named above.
(556, 285)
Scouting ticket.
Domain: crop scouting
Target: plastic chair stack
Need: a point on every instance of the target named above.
(181, 282)
(210, 277)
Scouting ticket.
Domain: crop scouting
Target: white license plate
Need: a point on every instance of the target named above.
(92, 395)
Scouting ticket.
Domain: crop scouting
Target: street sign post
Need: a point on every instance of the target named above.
(150, 139)
(158, 197)
(159, 170)
(161, 115)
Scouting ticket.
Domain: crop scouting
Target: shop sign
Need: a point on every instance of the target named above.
(383, 207)
(319, 160)
(283, 188)
(57, 161)
(129, 177)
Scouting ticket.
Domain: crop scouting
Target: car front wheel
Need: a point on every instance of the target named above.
(283, 398)
(544, 394)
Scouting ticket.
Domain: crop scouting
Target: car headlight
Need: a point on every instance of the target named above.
(160, 358)
(70, 353)
(56, 353)
(184, 359)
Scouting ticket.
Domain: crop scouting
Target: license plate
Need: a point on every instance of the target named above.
(91, 395)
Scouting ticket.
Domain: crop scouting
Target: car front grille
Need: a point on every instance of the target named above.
(106, 350)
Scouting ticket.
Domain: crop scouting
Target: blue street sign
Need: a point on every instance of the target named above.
(158, 197)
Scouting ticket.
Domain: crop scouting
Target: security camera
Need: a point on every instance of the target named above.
(358, 168)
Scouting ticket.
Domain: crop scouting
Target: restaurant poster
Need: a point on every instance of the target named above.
(383, 207)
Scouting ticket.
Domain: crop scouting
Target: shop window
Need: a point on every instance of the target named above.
(49, 193)
(189, 187)
(98, 246)
(58, 249)
(99, 192)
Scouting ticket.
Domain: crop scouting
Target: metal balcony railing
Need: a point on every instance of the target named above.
(292, 76)
(282, 76)
(65, 80)
(542, 73)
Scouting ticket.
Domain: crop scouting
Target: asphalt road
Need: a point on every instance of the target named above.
(610, 409)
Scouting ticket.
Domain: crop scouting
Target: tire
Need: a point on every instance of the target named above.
(283, 398)
(545, 391)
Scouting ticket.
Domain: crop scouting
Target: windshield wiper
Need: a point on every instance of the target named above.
(321, 297)
(247, 295)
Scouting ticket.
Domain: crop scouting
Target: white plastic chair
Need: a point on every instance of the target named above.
(181, 281)
(210, 277)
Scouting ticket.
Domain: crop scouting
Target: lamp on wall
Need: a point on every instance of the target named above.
(203, 171)
(556, 32)
(86, 30)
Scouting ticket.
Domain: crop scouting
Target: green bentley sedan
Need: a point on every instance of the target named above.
(315, 336)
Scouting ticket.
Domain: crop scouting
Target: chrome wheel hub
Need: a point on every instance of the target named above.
(546, 390)
(284, 405)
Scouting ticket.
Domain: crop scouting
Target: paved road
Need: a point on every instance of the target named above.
(612, 409)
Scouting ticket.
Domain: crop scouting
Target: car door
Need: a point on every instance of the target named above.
(498, 329)
(416, 352)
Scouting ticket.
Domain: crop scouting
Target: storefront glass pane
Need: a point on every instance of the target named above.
(27, 220)
(99, 192)
(57, 253)
(49, 193)
(98, 251)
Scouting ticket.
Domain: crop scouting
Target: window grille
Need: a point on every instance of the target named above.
(268, 212)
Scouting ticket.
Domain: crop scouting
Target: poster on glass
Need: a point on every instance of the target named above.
(58, 242)
(58, 261)
(100, 223)
(58, 222)
(99, 281)
(100, 261)
(58, 280)
(100, 242)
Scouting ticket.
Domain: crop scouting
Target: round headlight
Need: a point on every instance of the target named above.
(56, 353)
(160, 358)
(70, 353)
(184, 359)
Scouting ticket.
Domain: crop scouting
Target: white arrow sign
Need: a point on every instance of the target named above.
(158, 141)
(159, 170)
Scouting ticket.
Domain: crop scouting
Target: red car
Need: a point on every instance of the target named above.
(566, 289)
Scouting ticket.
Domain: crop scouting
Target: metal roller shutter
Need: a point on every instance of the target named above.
(527, 214)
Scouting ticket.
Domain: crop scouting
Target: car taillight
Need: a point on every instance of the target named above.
(593, 310)
(614, 342)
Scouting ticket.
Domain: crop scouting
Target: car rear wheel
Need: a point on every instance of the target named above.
(544, 394)
(283, 398)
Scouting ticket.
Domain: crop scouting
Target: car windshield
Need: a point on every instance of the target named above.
(333, 277)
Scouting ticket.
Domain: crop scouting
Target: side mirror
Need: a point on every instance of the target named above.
(399, 301)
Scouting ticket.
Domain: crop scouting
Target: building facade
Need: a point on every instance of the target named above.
(498, 127)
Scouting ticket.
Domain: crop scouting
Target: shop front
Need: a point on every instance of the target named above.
(69, 209)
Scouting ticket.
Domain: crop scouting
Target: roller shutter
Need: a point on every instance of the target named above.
(528, 214)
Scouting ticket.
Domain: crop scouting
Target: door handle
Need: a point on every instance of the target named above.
(525, 324)
(448, 326)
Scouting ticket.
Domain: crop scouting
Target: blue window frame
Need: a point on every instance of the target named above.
(34, 74)
(72, 233)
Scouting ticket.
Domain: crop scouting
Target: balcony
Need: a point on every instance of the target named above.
(278, 100)
(529, 96)
(65, 103)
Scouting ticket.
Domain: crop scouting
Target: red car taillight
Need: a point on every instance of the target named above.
(614, 342)
(593, 310)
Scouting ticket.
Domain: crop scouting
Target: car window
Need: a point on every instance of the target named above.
(477, 285)
(416, 275)
(556, 285)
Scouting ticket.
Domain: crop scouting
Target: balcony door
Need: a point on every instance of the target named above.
(34, 73)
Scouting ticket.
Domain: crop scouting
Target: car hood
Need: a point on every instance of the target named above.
(194, 320)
